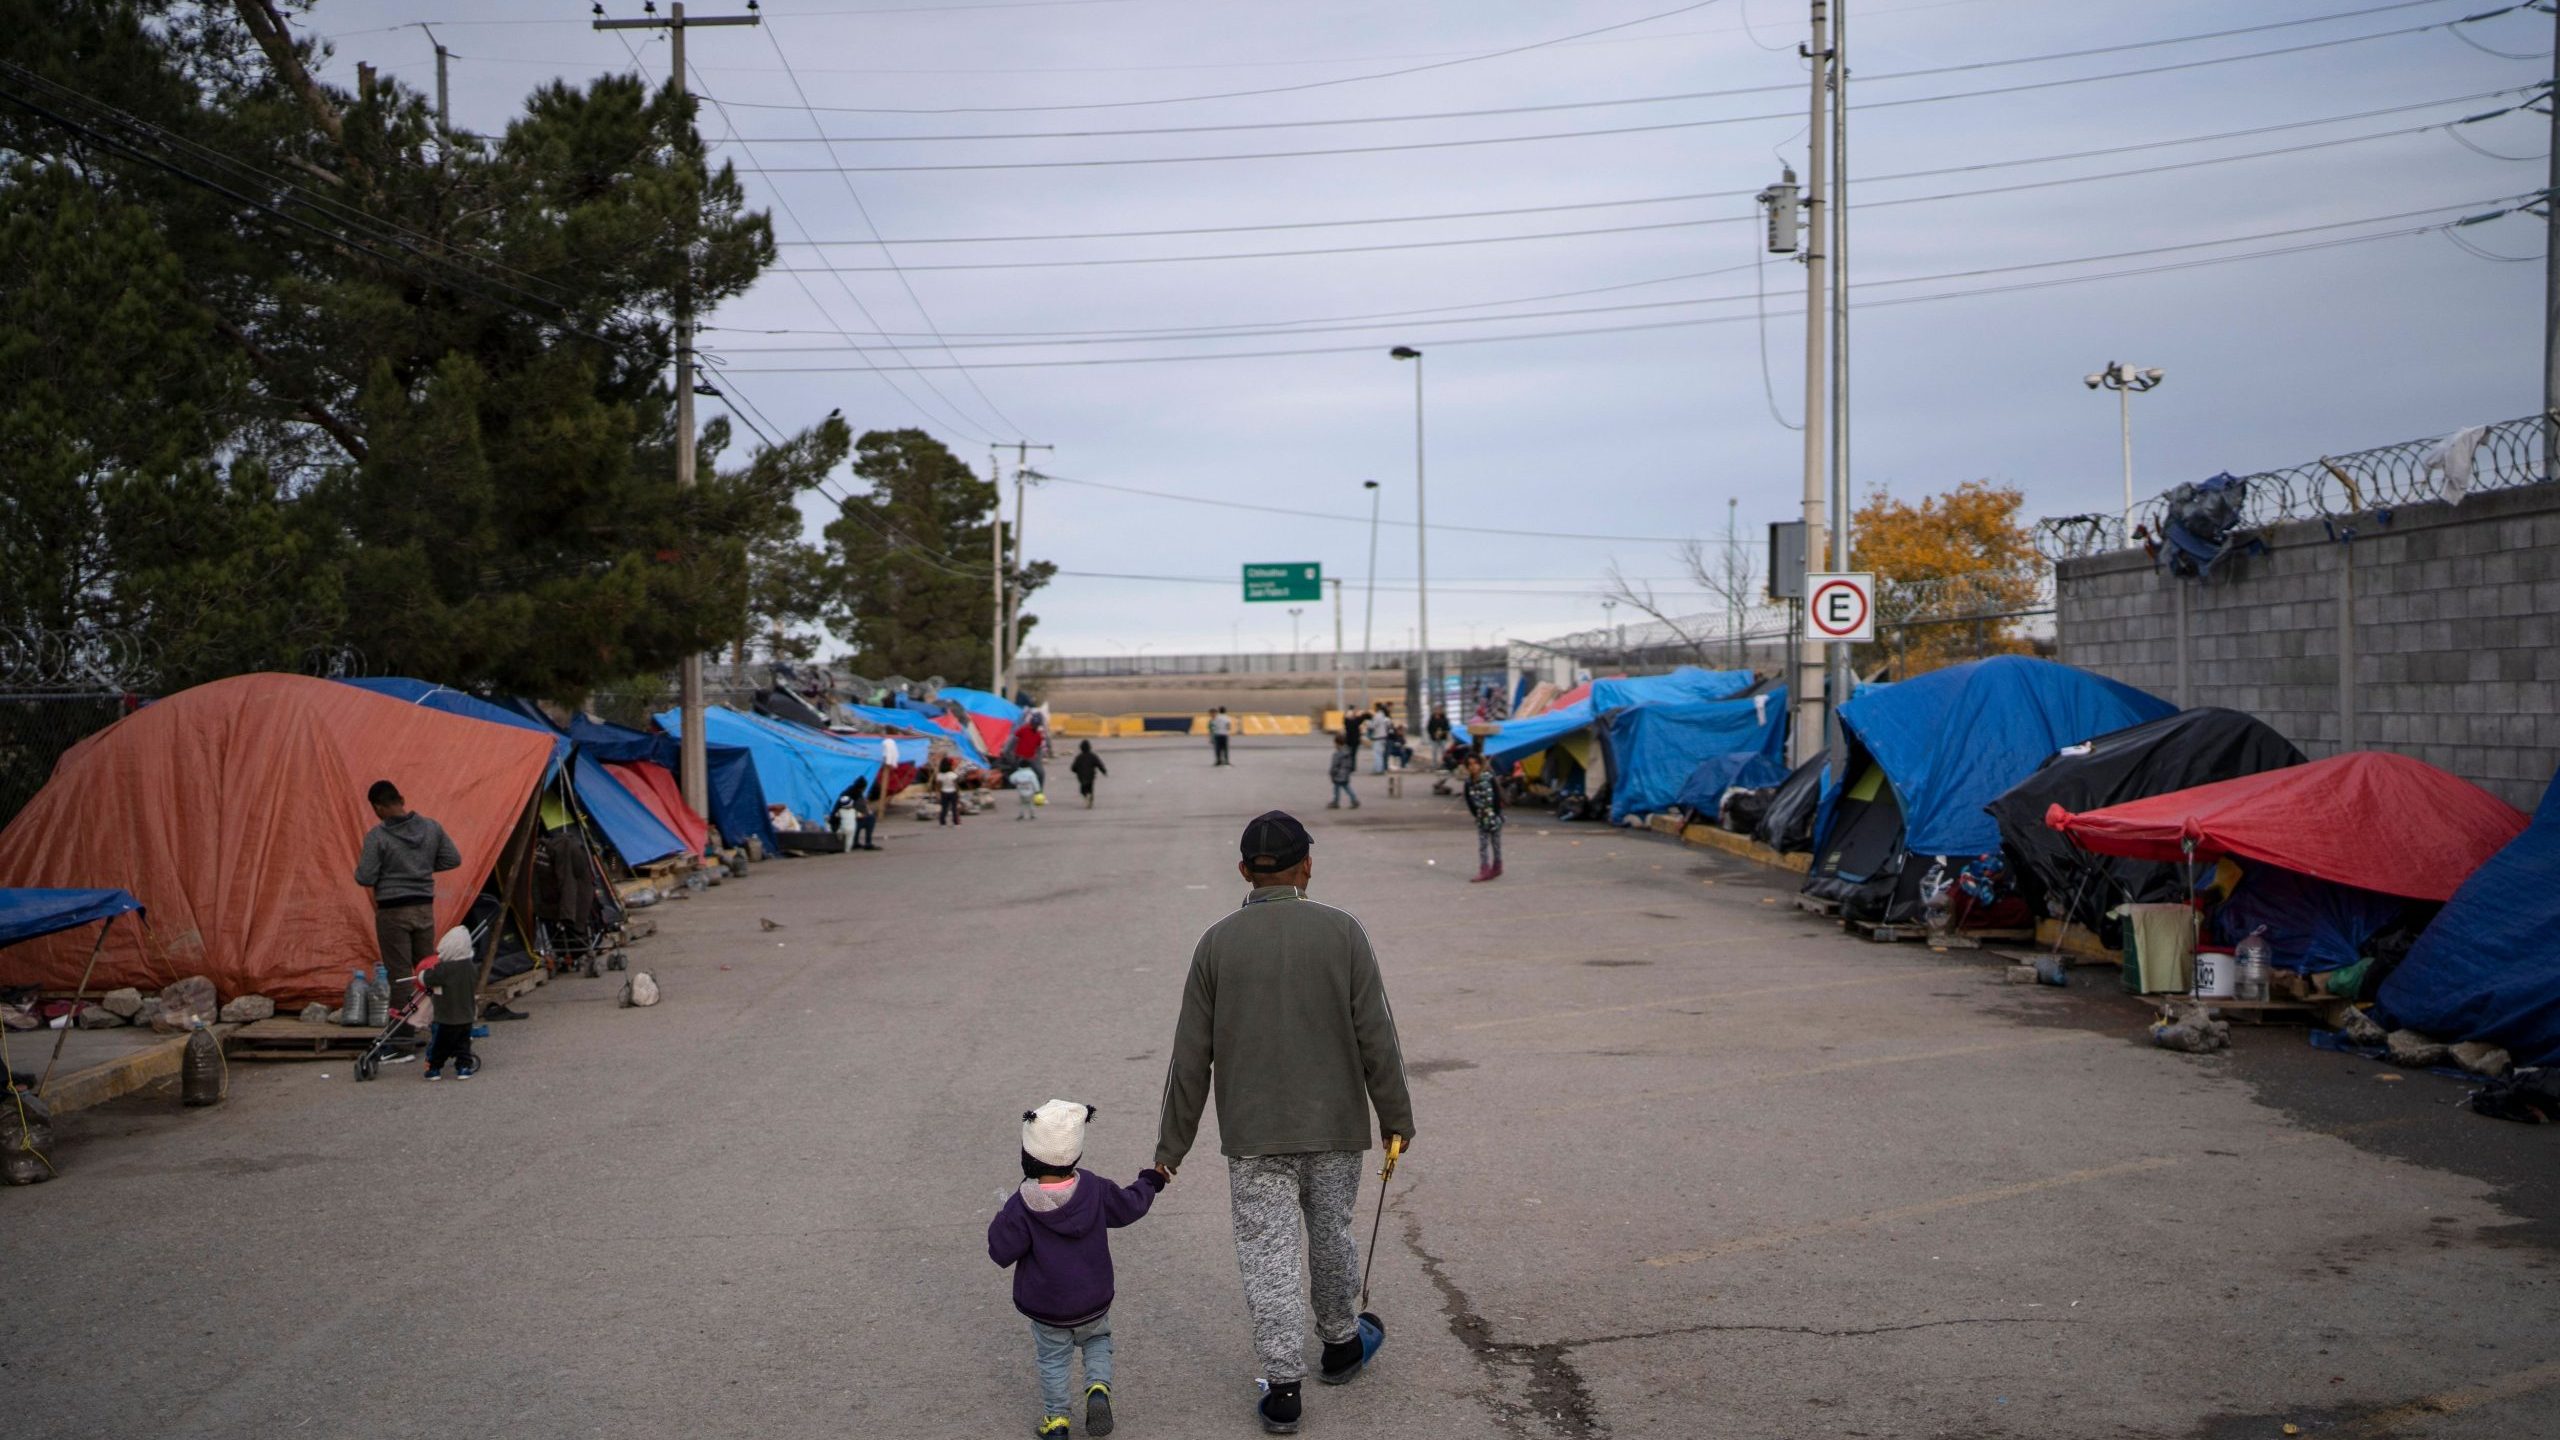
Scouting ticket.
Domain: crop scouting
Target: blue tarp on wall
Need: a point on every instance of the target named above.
(26, 914)
(1686, 683)
(1657, 750)
(797, 766)
(1954, 740)
(909, 722)
(2488, 967)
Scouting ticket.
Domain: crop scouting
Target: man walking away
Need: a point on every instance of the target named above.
(401, 858)
(1346, 764)
(1220, 727)
(1087, 765)
(1285, 1014)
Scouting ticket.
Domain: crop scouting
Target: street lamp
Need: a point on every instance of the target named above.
(1421, 533)
(1369, 617)
(2127, 382)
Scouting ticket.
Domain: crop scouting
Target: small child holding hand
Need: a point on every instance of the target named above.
(1054, 1234)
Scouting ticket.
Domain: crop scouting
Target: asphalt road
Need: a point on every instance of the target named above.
(1690, 1164)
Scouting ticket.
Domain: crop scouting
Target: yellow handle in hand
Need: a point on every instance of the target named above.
(1395, 1147)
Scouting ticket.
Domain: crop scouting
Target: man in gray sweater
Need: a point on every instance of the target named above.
(399, 863)
(1285, 1017)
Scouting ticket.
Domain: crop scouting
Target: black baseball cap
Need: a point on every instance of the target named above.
(1274, 841)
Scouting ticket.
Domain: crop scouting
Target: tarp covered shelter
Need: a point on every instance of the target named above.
(1519, 739)
(736, 789)
(922, 726)
(235, 811)
(1657, 749)
(636, 834)
(1787, 825)
(2190, 748)
(1926, 755)
(801, 768)
(2488, 968)
(992, 717)
(654, 785)
(2370, 819)
(28, 914)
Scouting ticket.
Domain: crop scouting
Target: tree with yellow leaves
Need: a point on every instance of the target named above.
(1952, 573)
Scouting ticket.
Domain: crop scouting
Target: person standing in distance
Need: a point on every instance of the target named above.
(402, 855)
(1285, 1016)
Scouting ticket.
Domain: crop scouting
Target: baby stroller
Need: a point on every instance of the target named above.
(387, 1044)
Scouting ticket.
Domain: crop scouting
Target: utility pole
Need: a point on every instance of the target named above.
(1294, 612)
(1839, 329)
(1012, 605)
(444, 94)
(1733, 578)
(1337, 644)
(1811, 712)
(693, 767)
(1369, 607)
(995, 573)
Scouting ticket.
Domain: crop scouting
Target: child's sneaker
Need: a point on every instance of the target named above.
(436, 1074)
(1097, 1409)
(1052, 1425)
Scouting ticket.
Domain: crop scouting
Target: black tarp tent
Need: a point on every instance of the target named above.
(2178, 752)
(1786, 826)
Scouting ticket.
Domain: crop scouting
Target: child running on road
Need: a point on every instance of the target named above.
(1484, 801)
(1026, 786)
(1054, 1233)
(1087, 765)
(1346, 763)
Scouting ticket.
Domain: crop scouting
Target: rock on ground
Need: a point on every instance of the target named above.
(2408, 1047)
(126, 1002)
(187, 1004)
(97, 1017)
(2481, 1058)
(316, 1013)
(248, 1008)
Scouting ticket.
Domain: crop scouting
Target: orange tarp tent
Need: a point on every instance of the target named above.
(654, 788)
(234, 811)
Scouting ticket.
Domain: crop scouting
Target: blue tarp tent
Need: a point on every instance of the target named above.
(910, 722)
(1520, 739)
(1655, 749)
(2312, 925)
(636, 835)
(798, 767)
(1954, 740)
(26, 914)
(737, 792)
(2488, 967)
(1757, 761)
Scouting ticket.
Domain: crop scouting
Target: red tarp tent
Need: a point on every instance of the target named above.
(2369, 819)
(235, 811)
(653, 787)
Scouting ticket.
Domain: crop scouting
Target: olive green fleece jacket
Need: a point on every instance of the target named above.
(1285, 1015)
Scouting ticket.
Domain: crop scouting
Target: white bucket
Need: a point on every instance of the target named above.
(2217, 977)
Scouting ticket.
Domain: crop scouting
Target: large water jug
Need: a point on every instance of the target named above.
(2250, 958)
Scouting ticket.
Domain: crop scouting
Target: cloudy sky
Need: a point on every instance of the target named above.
(1605, 379)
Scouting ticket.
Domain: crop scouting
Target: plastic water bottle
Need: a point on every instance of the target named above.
(2249, 961)
(1937, 899)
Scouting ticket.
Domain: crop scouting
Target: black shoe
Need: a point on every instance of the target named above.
(1097, 1409)
(1278, 1408)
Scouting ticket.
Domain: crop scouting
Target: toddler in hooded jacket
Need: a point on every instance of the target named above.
(1054, 1233)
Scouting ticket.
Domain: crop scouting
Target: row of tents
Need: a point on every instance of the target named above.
(231, 815)
(2048, 791)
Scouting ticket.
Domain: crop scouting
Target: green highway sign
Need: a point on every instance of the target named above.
(1284, 582)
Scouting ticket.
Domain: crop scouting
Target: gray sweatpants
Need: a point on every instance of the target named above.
(1272, 1195)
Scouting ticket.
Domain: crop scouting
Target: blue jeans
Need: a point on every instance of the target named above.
(1342, 794)
(1050, 1347)
(1382, 757)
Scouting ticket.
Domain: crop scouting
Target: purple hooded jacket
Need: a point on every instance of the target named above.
(1061, 1258)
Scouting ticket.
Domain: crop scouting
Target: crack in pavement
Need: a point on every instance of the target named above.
(1558, 1400)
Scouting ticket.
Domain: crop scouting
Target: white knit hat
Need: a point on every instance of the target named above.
(456, 945)
(1054, 1133)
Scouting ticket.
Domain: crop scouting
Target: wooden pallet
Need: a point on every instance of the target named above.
(1883, 934)
(1813, 905)
(288, 1039)
(2260, 1012)
(1979, 939)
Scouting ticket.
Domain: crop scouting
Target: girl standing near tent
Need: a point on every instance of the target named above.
(946, 784)
(1484, 801)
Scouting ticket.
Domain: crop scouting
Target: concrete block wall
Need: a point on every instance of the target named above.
(2451, 635)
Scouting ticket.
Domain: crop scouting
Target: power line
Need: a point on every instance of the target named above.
(1473, 142)
(1715, 320)
(1590, 231)
(1748, 90)
(1518, 210)
(886, 253)
(1354, 519)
